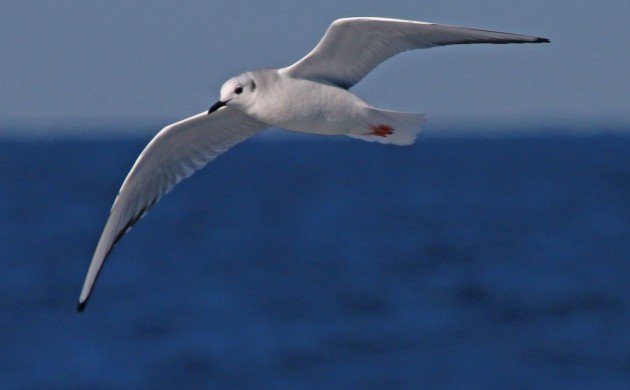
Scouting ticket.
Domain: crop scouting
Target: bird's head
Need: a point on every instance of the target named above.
(238, 91)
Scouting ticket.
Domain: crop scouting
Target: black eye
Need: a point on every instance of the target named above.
(238, 90)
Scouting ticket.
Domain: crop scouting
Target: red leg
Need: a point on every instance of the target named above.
(381, 130)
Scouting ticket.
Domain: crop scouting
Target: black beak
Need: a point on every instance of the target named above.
(216, 106)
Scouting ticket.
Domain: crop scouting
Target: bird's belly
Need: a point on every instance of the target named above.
(317, 110)
(315, 123)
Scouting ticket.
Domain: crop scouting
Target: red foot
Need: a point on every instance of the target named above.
(381, 130)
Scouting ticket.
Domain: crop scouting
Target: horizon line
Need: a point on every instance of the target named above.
(500, 125)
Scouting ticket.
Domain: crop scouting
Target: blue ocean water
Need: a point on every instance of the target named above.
(460, 262)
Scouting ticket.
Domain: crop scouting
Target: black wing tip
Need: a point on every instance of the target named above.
(542, 40)
(81, 306)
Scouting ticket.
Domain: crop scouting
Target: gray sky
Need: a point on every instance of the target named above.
(122, 61)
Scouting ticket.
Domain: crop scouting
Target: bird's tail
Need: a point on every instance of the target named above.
(391, 127)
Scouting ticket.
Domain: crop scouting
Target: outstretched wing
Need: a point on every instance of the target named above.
(352, 47)
(174, 154)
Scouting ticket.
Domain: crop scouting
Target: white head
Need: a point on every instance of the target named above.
(238, 91)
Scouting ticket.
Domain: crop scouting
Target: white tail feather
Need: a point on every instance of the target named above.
(404, 126)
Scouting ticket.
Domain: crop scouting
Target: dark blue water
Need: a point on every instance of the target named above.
(455, 262)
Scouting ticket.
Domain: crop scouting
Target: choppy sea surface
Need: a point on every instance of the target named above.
(459, 262)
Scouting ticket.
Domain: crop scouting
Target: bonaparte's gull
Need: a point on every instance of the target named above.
(310, 96)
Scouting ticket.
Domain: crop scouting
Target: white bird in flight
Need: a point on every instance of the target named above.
(310, 96)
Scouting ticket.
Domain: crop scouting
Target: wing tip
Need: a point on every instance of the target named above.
(542, 40)
(81, 306)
